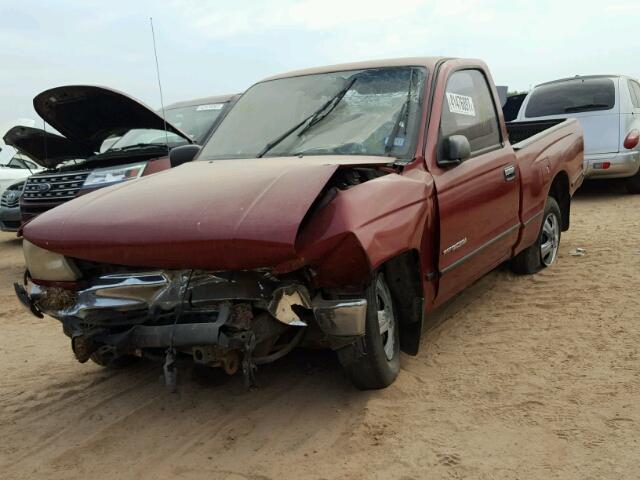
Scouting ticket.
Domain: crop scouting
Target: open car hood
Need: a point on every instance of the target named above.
(88, 114)
(219, 215)
(45, 148)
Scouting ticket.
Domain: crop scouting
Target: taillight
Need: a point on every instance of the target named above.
(601, 165)
(632, 139)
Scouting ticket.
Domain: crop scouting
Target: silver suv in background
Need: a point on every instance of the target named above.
(608, 108)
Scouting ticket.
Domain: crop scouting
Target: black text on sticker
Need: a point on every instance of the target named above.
(461, 104)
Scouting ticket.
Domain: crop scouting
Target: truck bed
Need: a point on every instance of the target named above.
(545, 147)
(521, 131)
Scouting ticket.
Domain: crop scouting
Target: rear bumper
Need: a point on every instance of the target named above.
(10, 219)
(622, 164)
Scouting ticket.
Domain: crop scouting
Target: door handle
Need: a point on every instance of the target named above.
(510, 173)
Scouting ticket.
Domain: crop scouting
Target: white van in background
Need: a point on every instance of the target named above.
(608, 108)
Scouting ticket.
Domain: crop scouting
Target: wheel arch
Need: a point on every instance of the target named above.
(404, 279)
(559, 190)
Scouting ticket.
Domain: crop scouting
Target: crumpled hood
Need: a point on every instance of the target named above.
(225, 215)
(45, 148)
(88, 114)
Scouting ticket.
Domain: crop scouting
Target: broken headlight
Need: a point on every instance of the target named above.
(50, 266)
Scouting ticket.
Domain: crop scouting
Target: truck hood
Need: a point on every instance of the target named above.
(45, 148)
(88, 114)
(214, 215)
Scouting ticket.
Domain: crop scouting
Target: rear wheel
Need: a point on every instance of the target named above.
(374, 362)
(633, 183)
(545, 250)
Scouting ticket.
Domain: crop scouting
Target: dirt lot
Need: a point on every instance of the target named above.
(519, 378)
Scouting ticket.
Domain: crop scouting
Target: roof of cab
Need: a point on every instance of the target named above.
(428, 62)
(203, 101)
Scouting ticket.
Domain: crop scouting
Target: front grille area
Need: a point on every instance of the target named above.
(10, 199)
(56, 188)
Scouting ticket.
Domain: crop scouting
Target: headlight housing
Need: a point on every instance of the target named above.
(49, 266)
(102, 177)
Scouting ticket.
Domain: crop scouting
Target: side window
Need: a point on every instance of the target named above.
(634, 88)
(468, 109)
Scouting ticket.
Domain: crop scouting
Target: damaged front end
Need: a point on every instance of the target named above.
(231, 320)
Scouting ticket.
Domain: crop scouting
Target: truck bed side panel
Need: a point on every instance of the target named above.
(557, 151)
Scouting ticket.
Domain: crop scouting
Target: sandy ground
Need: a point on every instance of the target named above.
(518, 378)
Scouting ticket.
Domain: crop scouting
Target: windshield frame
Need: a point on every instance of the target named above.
(406, 157)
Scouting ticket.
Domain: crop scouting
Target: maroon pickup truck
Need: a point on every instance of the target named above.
(333, 207)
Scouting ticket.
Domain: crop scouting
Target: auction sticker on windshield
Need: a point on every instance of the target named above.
(211, 106)
(461, 104)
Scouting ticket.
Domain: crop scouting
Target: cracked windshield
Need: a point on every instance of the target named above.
(355, 112)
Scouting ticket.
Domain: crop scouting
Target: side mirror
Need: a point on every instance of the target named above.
(456, 150)
(183, 154)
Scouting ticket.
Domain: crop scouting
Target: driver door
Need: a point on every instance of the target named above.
(478, 199)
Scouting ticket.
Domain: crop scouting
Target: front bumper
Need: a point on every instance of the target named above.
(139, 310)
(10, 219)
(621, 165)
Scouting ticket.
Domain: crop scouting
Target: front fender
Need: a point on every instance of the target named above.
(363, 227)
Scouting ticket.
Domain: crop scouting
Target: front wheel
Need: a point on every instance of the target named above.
(374, 361)
(544, 251)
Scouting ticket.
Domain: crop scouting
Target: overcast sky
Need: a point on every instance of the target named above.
(213, 47)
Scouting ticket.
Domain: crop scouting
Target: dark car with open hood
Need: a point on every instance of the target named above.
(106, 138)
(333, 207)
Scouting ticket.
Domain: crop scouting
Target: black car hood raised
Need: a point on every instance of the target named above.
(88, 114)
(45, 148)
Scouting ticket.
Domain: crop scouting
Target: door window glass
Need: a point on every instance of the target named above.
(468, 109)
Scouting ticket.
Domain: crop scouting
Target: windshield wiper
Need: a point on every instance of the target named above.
(314, 118)
(403, 115)
(324, 113)
(587, 106)
(137, 145)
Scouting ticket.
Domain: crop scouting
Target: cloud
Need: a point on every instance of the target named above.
(214, 46)
(312, 15)
(15, 19)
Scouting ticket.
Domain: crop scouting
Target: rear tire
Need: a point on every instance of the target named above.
(544, 251)
(633, 183)
(374, 361)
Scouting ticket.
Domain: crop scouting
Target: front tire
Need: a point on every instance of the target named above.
(544, 251)
(374, 361)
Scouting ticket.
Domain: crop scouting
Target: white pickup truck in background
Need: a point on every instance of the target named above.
(608, 108)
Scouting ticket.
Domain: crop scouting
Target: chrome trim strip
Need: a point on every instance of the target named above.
(579, 177)
(532, 218)
(472, 254)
